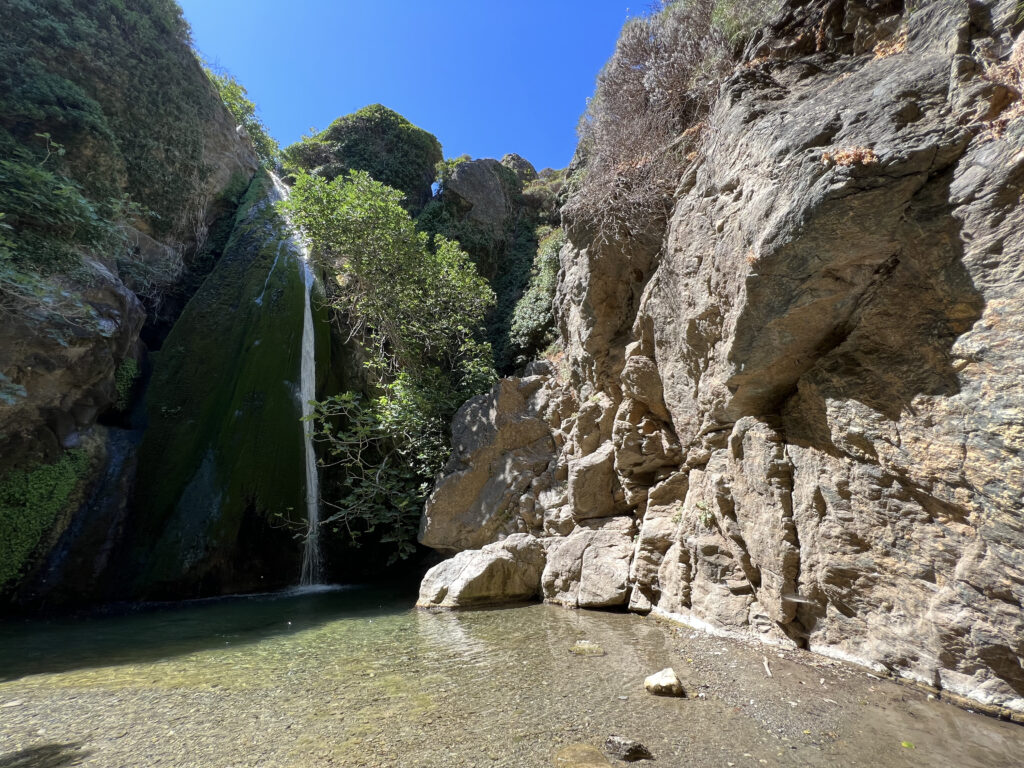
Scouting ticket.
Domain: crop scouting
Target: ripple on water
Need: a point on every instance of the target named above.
(354, 677)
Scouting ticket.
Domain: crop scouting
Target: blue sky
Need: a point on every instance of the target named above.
(485, 76)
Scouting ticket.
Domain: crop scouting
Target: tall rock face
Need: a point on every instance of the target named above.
(120, 171)
(794, 414)
(221, 466)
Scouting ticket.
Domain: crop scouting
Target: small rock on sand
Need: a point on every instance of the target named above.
(664, 683)
(629, 750)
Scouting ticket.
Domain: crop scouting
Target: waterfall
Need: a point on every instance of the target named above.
(312, 559)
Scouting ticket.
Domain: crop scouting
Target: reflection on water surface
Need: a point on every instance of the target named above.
(355, 677)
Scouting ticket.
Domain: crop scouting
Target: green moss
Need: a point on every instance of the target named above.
(103, 109)
(124, 381)
(30, 502)
(224, 445)
(376, 140)
(533, 322)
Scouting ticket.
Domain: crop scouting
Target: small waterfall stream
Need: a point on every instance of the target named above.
(312, 559)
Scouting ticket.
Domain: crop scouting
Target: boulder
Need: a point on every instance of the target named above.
(483, 191)
(501, 444)
(589, 568)
(520, 166)
(592, 484)
(504, 572)
(627, 750)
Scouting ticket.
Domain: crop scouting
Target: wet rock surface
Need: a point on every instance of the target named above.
(803, 392)
(625, 749)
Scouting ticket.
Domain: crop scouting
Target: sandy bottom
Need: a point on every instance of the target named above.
(357, 678)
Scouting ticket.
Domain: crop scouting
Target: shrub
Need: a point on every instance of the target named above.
(533, 321)
(421, 310)
(236, 99)
(30, 501)
(661, 80)
(376, 140)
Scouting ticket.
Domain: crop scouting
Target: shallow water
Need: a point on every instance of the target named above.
(357, 678)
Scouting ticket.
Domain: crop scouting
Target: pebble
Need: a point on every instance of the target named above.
(664, 683)
(629, 750)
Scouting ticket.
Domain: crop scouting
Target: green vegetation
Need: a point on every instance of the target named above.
(507, 258)
(236, 99)
(419, 306)
(376, 140)
(124, 380)
(30, 502)
(533, 321)
(102, 107)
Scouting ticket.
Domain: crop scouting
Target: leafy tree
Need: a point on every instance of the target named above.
(236, 99)
(420, 310)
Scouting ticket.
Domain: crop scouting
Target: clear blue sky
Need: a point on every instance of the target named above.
(485, 76)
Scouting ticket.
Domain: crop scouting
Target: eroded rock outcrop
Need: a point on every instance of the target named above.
(503, 572)
(804, 393)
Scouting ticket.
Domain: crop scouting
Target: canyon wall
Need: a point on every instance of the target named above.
(795, 413)
(122, 171)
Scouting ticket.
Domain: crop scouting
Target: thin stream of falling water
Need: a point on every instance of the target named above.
(312, 558)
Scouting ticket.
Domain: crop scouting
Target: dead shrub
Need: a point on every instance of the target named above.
(661, 80)
(850, 156)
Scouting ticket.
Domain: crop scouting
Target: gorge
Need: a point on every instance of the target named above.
(740, 383)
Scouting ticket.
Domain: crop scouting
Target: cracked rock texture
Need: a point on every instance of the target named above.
(796, 413)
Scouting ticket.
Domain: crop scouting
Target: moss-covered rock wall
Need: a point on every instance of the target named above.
(220, 492)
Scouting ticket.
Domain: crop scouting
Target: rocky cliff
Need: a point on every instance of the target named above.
(121, 171)
(794, 413)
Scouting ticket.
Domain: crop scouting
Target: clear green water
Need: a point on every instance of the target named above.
(358, 678)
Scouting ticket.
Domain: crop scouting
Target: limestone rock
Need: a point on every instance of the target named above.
(664, 683)
(479, 189)
(804, 390)
(586, 648)
(590, 567)
(500, 446)
(56, 378)
(592, 484)
(507, 571)
(519, 165)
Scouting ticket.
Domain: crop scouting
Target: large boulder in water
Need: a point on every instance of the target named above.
(504, 572)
